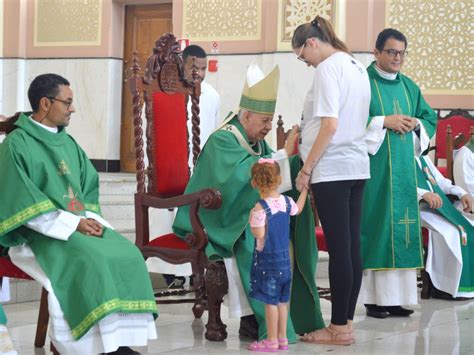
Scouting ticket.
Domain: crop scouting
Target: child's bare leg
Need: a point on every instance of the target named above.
(271, 317)
(282, 320)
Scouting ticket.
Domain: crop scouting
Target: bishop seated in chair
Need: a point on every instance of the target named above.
(100, 295)
(224, 163)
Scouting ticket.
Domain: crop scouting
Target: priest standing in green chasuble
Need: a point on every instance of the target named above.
(99, 293)
(225, 164)
(400, 126)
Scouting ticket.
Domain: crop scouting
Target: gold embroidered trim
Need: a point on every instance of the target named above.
(23, 216)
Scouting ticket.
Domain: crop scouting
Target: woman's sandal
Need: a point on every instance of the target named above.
(282, 344)
(264, 346)
(334, 338)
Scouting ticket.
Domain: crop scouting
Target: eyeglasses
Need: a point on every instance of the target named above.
(66, 103)
(393, 53)
(299, 57)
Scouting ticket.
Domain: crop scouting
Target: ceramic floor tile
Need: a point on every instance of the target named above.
(437, 327)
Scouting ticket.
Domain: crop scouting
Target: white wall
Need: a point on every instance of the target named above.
(97, 88)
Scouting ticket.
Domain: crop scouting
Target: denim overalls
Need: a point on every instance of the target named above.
(270, 277)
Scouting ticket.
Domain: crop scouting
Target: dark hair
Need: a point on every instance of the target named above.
(388, 33)
(45, 85)
(319, 28)
(193, 51)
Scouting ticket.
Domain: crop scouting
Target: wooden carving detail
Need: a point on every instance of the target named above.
(135, 86)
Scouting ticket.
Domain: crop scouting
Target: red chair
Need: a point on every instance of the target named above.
(164, 93)
(320, 239)
(448, 127)
(8, 269)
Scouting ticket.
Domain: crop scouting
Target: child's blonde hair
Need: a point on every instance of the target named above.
(266, 175)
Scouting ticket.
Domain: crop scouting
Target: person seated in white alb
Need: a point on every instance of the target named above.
(450, 259)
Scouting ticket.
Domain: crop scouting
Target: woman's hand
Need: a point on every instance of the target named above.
(302, 180)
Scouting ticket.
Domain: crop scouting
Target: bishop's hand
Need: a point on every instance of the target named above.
(400, 123)
(433, 199)
(290, 145)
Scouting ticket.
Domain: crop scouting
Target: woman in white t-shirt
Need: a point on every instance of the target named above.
(336, 164)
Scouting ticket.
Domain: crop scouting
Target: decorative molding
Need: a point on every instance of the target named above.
(222, 20)
(67, 23)
(292, 13)
(439, 34)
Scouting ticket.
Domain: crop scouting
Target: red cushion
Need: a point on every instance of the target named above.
(443, 170)
(8, 269)
(320, 240)
(171, 144)
(459, 124)
(170, 241)
(426, 235)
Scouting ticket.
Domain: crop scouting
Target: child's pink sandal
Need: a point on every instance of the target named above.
(264, 346)
(283, 344)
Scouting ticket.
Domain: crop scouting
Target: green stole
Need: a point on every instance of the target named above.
(455, 217)
(390, 225)
(225, 165)
(3, 317)
(91, 277)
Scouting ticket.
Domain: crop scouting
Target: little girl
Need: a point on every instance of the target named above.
(270, 279)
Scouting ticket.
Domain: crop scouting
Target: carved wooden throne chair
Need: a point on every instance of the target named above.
(8, 269)
(164, 92)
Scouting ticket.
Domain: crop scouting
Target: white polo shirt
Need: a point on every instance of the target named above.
(341, 89)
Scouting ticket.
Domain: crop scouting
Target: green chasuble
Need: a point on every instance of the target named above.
(453, 215)
(390, 226)
(3, 317)
(225, 165)
(91, 277)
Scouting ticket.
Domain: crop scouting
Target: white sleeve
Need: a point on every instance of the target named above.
(444, 184)
(326, 92)
(57, 224)
(218, 105)
(375, 134)
(282, 158)
(420, 144)
(99, 219)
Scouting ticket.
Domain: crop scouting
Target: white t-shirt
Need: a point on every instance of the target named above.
(341, 89)
(209, 102)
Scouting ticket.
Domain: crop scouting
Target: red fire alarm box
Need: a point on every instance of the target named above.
(212, 65)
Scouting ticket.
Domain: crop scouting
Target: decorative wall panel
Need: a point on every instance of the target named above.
(439, 34)
(222, 20)
(67, 22)
(292, 13)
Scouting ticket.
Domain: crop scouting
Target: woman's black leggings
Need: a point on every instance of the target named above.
(339, 205)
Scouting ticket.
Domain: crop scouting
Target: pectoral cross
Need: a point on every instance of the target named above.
(397, 110)
(406, 221)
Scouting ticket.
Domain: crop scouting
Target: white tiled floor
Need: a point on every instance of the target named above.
(436, 327)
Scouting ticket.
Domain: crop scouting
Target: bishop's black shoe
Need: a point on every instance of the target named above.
(124, 350)
(398, 311)
(249, 327)
(441, 295)
(375, 311)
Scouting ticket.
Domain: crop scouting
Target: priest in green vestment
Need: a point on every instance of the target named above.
(224, 164)
(100, 295)
(399, 127)
(450, 259)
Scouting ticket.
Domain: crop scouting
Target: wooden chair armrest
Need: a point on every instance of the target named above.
(207, 198)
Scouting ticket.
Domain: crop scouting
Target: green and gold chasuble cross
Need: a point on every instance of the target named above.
(92, 277)
(390, 227)
(225, 164)
(426, 181)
